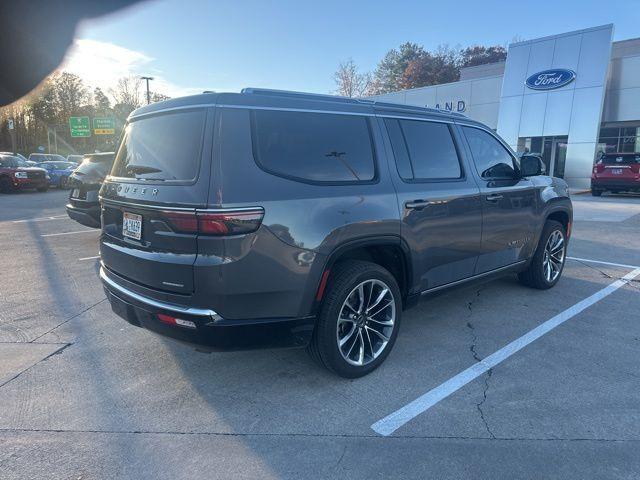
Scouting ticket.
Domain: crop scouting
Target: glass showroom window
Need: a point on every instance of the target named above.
(623, 139)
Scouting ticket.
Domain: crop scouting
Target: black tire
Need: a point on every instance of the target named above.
(345, 277)
(5, 185)
(596, 193)
(62, 184)
(43, 189)
(534, 275)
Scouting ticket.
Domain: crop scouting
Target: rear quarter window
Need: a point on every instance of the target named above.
(313, 147)
(165, 147)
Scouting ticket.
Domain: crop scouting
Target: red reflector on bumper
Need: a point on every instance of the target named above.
(168, 319)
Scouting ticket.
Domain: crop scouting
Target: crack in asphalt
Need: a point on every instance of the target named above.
(314, 435)
(76, 315)
(476, 357)
(55, 352)
(634, 282)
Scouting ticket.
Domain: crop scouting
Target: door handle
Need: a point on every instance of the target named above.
(494, 197)
(418, 204)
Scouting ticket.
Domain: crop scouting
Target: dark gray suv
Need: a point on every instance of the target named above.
(277, 219)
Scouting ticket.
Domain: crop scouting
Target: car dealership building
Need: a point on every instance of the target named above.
(567, 97)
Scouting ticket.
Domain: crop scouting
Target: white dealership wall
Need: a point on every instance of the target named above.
(606, 89)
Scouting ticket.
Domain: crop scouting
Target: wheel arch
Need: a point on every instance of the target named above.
(390, 252)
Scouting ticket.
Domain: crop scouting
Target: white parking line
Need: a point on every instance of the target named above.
(397, 419)
(68, 233)
(587, 260)
(88, 258)
(41, 219)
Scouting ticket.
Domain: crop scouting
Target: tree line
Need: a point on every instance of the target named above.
(411, 66)
(62, 95)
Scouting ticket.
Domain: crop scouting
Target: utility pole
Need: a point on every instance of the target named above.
(12, 132)
(148, 94)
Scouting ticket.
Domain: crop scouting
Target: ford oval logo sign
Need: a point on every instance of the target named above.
(550, 79)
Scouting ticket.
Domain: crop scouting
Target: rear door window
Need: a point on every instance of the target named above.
(164, 147)
(424, 150)
(313, 147)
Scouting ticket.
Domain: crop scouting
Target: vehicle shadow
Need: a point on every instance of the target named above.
(282, 392)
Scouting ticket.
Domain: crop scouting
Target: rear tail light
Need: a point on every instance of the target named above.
(219, 223)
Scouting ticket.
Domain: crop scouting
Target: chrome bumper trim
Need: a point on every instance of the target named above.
(201, 312)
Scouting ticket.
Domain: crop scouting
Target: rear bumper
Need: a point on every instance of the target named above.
(30, 182)
(615, 184)
(211, 331)
(89, 216)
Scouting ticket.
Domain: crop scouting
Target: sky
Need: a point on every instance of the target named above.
(193, 45)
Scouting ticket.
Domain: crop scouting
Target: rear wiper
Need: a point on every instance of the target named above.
(142, 169)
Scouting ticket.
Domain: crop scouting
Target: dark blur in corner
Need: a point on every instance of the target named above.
(35, 35)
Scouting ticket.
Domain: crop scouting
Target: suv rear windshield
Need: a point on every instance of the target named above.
(313, 147)
(162, 147)
(617, 159)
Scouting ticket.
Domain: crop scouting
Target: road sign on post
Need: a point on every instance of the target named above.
(79, 126)
(104, 126)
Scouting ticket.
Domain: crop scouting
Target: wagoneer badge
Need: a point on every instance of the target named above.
(550, 79)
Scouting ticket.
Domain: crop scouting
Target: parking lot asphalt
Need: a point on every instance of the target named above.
(85, 395)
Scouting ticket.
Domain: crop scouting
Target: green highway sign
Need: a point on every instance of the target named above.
(104, 126)
(79, 126)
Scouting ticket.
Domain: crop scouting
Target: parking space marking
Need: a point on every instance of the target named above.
(89, 258)
(68, 233)
(41, 219)
(397, 419)
(587, 260)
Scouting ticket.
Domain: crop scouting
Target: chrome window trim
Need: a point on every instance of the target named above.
(170, 109)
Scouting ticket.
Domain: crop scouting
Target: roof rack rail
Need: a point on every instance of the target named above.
(416, 108)
(310, 96)
(337, 98)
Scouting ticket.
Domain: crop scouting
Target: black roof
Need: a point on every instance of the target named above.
(298, 100)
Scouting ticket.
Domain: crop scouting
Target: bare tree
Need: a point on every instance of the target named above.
(128, 92)
(350, 82)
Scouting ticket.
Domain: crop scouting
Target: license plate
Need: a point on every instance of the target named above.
(132, 225)
(75, 193)
(616, 171)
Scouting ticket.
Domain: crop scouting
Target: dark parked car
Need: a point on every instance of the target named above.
(616, 172)
(273, 219)
(85, 182)
(77, 159)
(46, 157)
(19, 155)
(16, 174)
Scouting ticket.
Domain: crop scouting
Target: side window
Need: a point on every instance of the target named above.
(424, 150)
(314, 147)
(492, 160)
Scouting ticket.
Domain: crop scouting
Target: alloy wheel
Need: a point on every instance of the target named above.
(553, 257)
(366, 322)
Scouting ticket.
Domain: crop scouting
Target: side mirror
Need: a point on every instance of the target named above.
(532, 165)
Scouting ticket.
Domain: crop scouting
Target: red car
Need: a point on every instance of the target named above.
(616, 172)
(16, 175)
